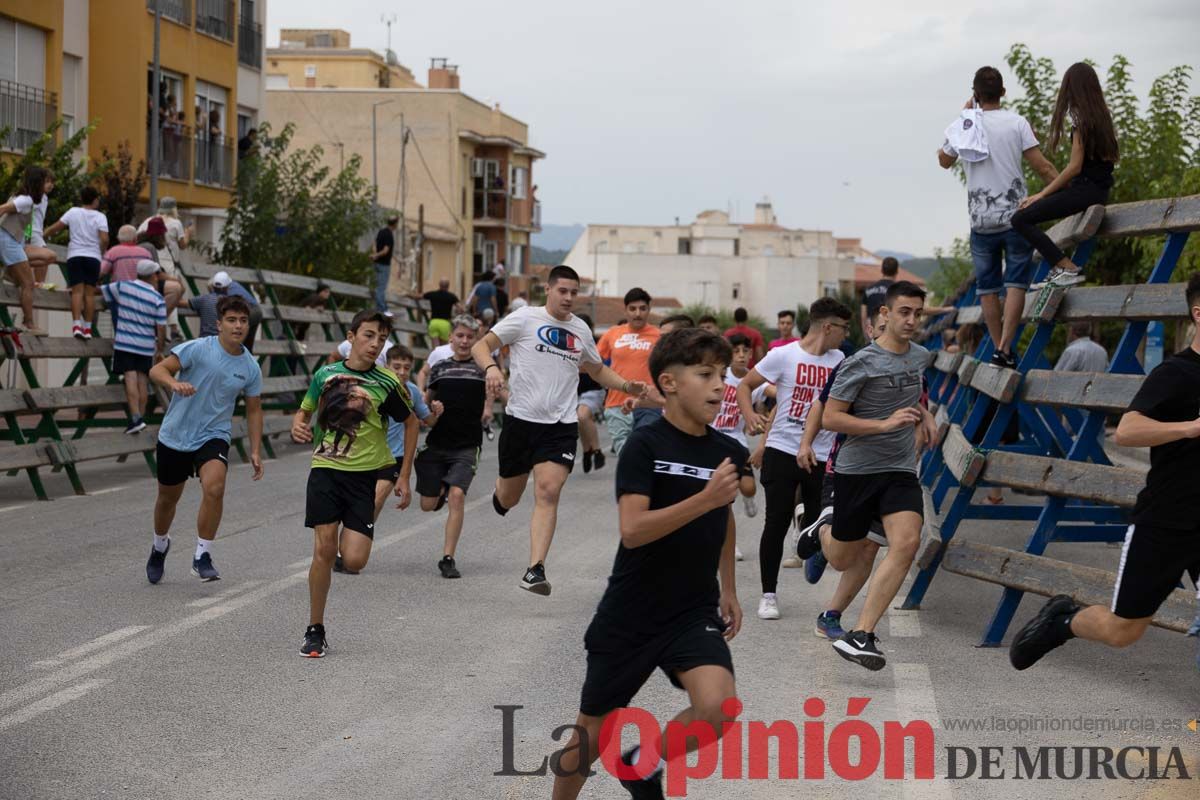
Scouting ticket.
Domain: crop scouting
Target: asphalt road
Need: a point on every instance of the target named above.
(112, 688)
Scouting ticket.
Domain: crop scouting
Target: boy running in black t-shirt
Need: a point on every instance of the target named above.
(446, 464)
(664, 607)
(1164, 540)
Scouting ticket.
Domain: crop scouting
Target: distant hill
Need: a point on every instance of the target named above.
(539, 255)
(925, 267)
(896, 254)
(557, 237)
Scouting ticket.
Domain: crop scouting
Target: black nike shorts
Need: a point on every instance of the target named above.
(335, 495)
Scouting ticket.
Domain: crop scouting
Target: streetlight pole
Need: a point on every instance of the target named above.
(154, 122)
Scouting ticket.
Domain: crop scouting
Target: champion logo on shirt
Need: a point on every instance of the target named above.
(686, 470)
(559, 338)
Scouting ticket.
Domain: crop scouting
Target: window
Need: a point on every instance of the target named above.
(685, 247)
(737, 247)
(628, 247)
(245, 122)
(72, 70)
(601, 247)
(520, 178)
(22, 53)
(310, 70)
(737, 291)
(489, 256)
(211, 101)
(768, 251)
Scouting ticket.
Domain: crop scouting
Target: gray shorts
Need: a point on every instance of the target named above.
(444, 468)
(594, 400)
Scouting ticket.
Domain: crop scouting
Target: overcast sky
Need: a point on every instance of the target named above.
(652, 110)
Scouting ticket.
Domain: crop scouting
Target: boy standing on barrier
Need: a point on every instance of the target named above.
(350, 399)
(664, 607)
(205, 377)
(1163, 543)
(876, 472)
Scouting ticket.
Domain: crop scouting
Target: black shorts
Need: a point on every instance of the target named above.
(335, 495)
(1152, 562)
(620, 662)
(82, 269)
(131, 362)
(437, 468)
(859, 500)
(175, 466)
(876, 533)
(524, 444)
(390, 473)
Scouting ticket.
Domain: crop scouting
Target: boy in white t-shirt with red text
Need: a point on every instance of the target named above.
(729, 419)
(799, 371)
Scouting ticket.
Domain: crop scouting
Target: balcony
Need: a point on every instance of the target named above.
(214, 160)
(215, 17)
(537, 215)
(490, 207)
(175, 152)
(25, 114)
(175, 10)
(249, 43)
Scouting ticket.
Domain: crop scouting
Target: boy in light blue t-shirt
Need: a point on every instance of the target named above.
(205, 377)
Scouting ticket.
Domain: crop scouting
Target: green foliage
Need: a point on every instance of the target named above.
(121, 183)
(71, 174)
(952, 270)
(293, 214)
(725, 319)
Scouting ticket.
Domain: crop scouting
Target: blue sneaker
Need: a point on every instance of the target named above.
(203, 568)
(829, 625)
(814, 568)
(156, 563)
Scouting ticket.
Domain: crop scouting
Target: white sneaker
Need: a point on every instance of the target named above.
(750, 506)
(768, 607)
(792, 561)
(798, 516)
(737, 553)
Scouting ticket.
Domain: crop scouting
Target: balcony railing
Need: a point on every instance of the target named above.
(175, 152)
(214, 160)
(537, 214)
(215, 17)
(176, 10)
(26, 112)
(250, 44)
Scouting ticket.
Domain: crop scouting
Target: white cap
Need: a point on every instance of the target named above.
(147, 267)
(221, 280)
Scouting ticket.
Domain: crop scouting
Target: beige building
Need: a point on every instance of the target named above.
(464, 168)
(761, 266)
(324, 59)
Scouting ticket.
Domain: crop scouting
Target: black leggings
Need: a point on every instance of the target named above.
(1077, 196)
(782, 479)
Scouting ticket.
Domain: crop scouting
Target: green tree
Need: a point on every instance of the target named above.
(71, 173)
(293, 214)
(122, 181)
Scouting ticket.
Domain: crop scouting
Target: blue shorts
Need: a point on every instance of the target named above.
(12, 252)
(986, 252)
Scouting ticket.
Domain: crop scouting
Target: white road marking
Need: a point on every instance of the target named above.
(904, 623)
(88, 647)
(28, 691)
(915, 701)
(13, 508)
(216, 598)
(50, 703)
(107, 491)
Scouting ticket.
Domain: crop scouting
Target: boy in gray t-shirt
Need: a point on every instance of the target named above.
(876, 473)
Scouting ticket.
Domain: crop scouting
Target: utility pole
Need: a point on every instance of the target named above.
(421, 247)
(154, 122)
(403, 186)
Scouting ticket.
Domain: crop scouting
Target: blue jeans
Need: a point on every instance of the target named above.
(991, 275)
(382, 273)
(646, 416)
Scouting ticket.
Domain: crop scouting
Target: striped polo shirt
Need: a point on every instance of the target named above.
(141, 309)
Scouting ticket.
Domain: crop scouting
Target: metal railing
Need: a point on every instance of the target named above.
(537, 214)
(175, 10)
(249, 43)
(215, 17)
(26, 113)
(175, 152)
(214, 160)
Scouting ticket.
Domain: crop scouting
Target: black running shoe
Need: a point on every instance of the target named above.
(639, 789)
(1006, 360)
(501, 510)
(535, 580)
(136, 425)
(448, 570)
(156, 564)
(340, 566)
(442, 498)
(488, 432)
(598, 458)
(808, 542)
(314, 642)
(1040, 635)
(203, 568)
(587, 460)
(859, 647)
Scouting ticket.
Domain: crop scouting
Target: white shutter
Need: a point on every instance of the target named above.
(8, 49)
(31, 56)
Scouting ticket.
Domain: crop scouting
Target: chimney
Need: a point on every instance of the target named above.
(442, 75)
(763, 213)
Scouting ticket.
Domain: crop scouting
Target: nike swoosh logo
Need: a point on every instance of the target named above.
(711, 628)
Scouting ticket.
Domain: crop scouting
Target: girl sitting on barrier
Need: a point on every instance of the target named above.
(1087, 178)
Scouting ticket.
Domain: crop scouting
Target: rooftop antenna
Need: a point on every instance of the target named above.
(388, 19)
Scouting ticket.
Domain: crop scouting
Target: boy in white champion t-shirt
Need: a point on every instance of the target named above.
(799, 371)
(548, 346)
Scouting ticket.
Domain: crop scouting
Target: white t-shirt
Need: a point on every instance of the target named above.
(729, 419)
(344, 351)
(85, 225)
(544, 359)
(39, 223)
(799, 378)
(439, 353)
(996, 185)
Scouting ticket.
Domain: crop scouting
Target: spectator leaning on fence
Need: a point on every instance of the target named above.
(1163, 543)
(221, 285)
(122, 259)
(381, 254)
(89, 239)
(14, 216)
(152, 234)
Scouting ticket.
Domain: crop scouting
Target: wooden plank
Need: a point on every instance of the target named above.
(966, 369)
(947, 362)
(1077, 227)
(23, 456)
(1048, 577)
(298, 314)
(929, 551)
(410, 326)
(12, 400)
(1117, 486)
(290, 383)
(273, 425)
(962, 459)
(1090, 390)
(942, 420)
(109, 445)
(52, 301)
(348, 289)
(412, 303)
(62, 347)
(971, 315)
(58, 397)
(1140, 301)
(1043, 305)
(997, 383)
(274, 347)
(1152, 217)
